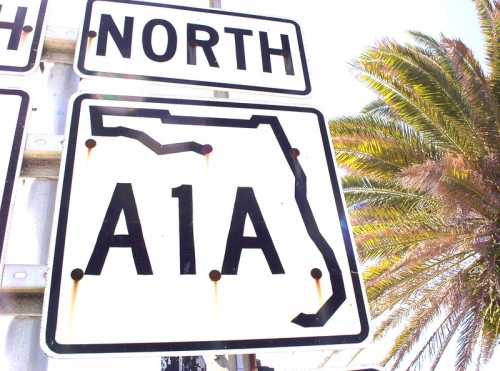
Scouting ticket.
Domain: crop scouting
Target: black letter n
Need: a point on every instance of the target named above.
(123, 42)
(122, 199)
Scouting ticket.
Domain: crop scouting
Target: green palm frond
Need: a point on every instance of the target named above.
(470, 328)
(383, 137)
(411, 334)
(363, 192)
(423, 193)
(414, 277)
(408, 106)
(394, 244)
(490, 26)
(415, 86)
(378, 108)
(435, 346)
(436, 51)
(383, 265)
(368, 160)
(461, 187)
(429, 218)
(477, 92)
(410, 305)
(488, 343)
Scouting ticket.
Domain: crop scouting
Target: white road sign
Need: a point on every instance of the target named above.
(21, 30)
(14, 106)
(169, 43)
(193, 226)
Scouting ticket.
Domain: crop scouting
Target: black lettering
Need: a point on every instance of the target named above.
(246, 203)
(193, 42)
(15, 27)
(285, 52)
(122, 200)
(122, 41)
(239, 44)
(186, 239)
(147, 40)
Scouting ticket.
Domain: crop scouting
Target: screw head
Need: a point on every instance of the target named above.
(294, 152)
(206, 149)
(316, 273)
(215, 275)
(90, 143)
(77, 274)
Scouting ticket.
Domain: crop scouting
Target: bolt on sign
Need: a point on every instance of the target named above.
(168, 43)
(187, 226)
(14, 106)
(21, 29)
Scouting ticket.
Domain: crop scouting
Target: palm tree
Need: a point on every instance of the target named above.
(424, 193)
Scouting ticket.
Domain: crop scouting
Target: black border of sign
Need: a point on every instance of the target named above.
(83, 46)
(10, 178)
(197, 346)
(35, 46)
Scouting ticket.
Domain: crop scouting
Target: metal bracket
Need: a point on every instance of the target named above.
(59, 45)
(23, 278)
(42, 156)
(44, 146)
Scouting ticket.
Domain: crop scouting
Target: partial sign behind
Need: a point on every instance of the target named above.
(14, 108)
(21, 31)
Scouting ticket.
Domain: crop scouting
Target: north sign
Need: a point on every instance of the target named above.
(14, 105)
(21, 30)
(206, 47)
(193, 226)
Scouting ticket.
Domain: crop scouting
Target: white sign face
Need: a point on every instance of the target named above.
(21, 29)
(14, 106)
(193, 226)
(206, 47)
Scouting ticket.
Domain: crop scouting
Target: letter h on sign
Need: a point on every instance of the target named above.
(16, 27)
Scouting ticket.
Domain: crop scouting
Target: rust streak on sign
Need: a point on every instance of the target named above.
(317, 274)
(74, 293)
(206, 150)
(215, 277)
(319, 291)
(91, 36)
(216, 293)
(24, 35)
(76, 275)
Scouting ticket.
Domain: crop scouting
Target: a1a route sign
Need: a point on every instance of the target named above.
(170, 43)
(192, 226)
(14, 108)
(21, 29)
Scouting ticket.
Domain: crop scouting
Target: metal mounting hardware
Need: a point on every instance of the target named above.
(59, 45)
(23, 278)
(44, 146)
(42, 156)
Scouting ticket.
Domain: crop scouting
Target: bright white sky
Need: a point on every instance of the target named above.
(334, 32)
